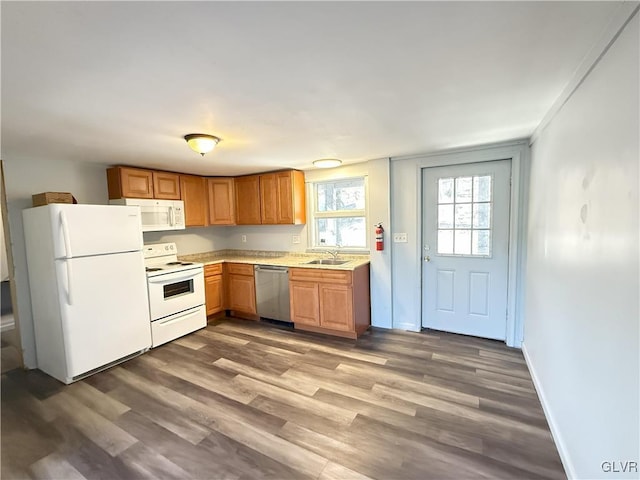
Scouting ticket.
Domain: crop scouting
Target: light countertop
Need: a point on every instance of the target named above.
(284, 259)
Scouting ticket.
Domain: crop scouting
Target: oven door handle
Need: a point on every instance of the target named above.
(171, 320)
(175, 277)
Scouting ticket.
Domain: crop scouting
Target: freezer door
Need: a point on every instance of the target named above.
(84, 230)
(105, 312)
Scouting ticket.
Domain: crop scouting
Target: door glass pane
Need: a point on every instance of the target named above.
(481, 242)
(462, 242)
(481, 215)
(445, 190)
(445, 216)
(463, 216)
(445, 241)
(463, 189)
(482, 188)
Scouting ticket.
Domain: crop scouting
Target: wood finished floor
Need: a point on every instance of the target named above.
(244, 400)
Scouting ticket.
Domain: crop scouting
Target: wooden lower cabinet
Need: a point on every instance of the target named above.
(241, 290)
(304, 302)
(214, 289)
(330, 301)
(336, 307)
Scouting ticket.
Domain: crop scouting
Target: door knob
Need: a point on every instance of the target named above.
(427, 258)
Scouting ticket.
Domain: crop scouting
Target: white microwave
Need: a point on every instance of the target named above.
(157, 215)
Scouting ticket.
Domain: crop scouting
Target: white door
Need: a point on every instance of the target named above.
(465, 256)
(105, 310)
(82, 230)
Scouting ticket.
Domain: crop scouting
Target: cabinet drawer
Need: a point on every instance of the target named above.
(215, 269)
(240, 269)
(321, 275)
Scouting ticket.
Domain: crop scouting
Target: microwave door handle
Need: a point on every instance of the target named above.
(172, 217)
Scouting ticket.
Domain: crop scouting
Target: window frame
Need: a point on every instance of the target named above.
(313, 214)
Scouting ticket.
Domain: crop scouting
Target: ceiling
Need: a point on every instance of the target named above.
(282, 83)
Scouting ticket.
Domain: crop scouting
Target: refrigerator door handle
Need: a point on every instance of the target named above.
(69, 289)
(65, 234)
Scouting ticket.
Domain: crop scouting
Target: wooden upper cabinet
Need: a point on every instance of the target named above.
(221, 201)
(269, 198)
(125, 182)
(291, 203)
(194, 195)
(166, 185)
(247, 192)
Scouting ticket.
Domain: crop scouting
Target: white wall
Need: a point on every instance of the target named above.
(581, 303)
(191, 240)
(24, 177)
(265, 237)
(380, 211)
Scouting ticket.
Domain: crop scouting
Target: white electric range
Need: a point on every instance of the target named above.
(176, 293)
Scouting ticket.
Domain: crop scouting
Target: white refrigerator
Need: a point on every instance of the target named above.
(88, 287)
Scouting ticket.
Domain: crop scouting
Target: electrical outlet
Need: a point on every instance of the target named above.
(295, 239)
(399, 238)
(243, 239)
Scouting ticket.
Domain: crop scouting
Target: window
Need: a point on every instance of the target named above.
(464, 216)
(339, 214)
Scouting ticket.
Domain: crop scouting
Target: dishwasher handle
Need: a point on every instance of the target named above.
(271, 268)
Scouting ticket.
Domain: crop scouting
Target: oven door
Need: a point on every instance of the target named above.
(175, 292)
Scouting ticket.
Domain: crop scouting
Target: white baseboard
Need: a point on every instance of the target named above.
(553, 426)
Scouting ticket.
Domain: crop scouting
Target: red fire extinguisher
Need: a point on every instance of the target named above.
(379, 237)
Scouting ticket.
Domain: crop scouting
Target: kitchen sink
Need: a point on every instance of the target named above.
(327, 261)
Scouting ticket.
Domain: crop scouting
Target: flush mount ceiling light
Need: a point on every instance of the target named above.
(201, 142)
(327, 163)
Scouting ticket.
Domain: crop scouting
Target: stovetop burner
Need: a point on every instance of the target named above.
(162, 258)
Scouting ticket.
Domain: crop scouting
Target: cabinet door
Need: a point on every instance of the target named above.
(193, 193)
(284, 213)
(304, 303)
(126, 182)
(336, 307)
(214, 294)
(221, 201)
(247, 190)
(269, 198)
(166, 185)
(242, 293)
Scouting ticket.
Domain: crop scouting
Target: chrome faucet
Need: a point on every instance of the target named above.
(334, 253)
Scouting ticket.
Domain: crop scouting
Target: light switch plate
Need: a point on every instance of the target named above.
(295, 239)
(399, 238)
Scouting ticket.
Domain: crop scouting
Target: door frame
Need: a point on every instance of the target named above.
(519, 154)
(6, 231)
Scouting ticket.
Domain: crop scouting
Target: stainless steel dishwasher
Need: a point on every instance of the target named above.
(272, 292)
